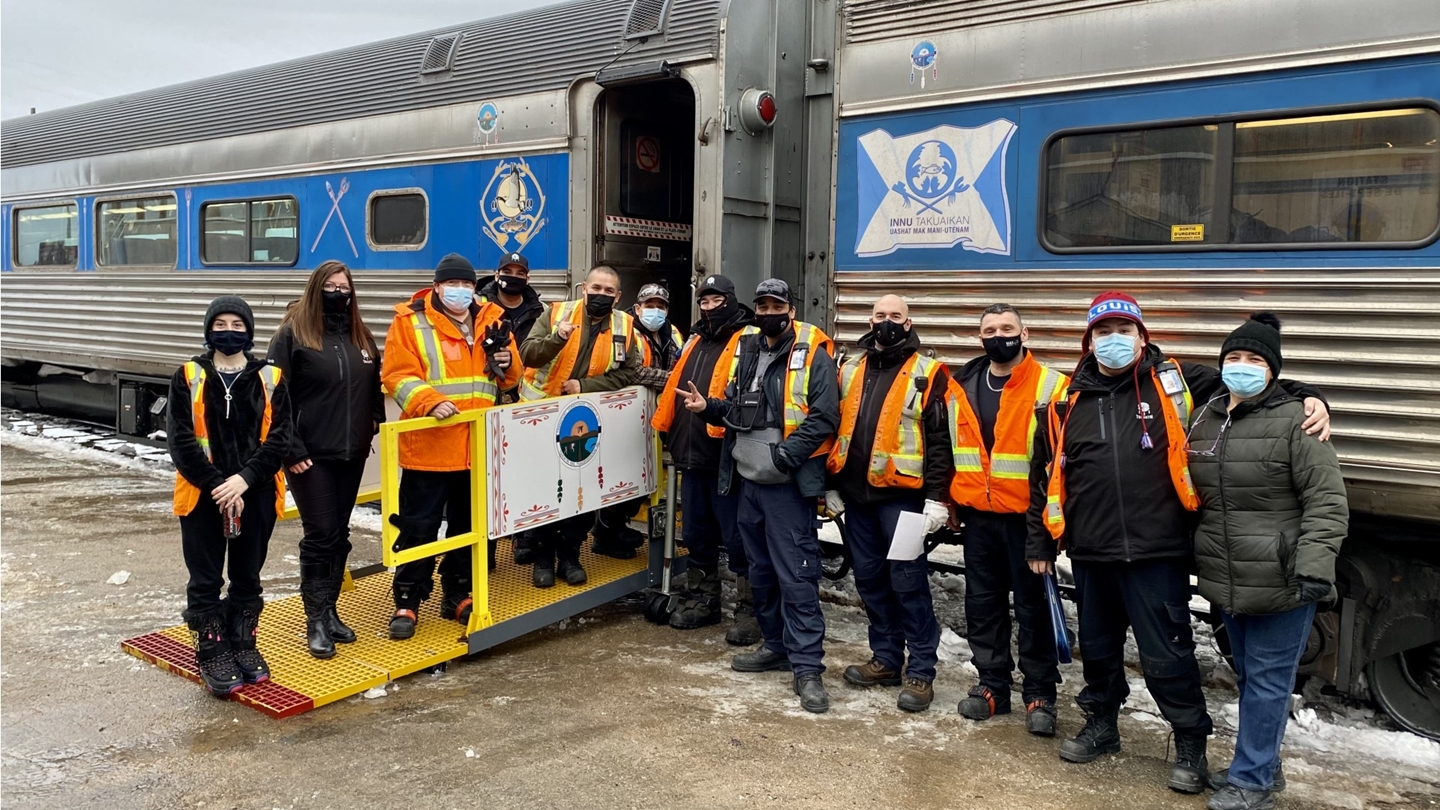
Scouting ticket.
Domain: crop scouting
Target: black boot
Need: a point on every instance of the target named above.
(213, 655)
(315, 596)
(984, 703)
(811, 689)
(1190, 773)
(455, 602)
(607, 540)
(701, 605)
(339, 633)
(1101, 735)
(543, 555)
(761, 660)
(570, 570)
(523, 547)
(1040, 717)
(407, 604)
(1219, 779)
(1234, 798)
(244, 629)
(745, 632)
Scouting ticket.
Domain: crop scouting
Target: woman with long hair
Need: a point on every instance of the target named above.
(332, 367)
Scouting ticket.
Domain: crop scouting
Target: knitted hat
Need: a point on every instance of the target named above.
(1113, 305)
(231, 305)
(1261, 335)
(454, 266)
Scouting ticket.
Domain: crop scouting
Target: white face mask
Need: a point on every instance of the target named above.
(456, 299)
(1116, 350)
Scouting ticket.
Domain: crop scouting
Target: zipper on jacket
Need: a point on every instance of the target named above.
(1115, 454)
(345, 386)
(1225, 516)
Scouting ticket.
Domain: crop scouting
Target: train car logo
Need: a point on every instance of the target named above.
(940, 188)
(513, 205)
(923, 58)
(487, 121)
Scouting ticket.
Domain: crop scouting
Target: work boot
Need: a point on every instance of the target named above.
(700, 607)
(543, 575)
(570, 570)
(457, 607)
(873, 673)
(315, 597)
(984, 703)
(1190, 774)
(1219, 779)
(1236, 798)
(407, 602)
(745, 632)
(339, 633)
(244, 629)
(213, 656)
(1040, 717)
(761, 660)
(811, 689)
(1101, 735)
(916, 696)
(523, 548)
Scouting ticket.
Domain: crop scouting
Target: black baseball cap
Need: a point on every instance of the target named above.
(773, 288)
(514, 260)
(715, 285)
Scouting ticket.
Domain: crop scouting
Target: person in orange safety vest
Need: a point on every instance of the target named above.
(446, 352)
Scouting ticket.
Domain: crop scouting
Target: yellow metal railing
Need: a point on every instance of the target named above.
(479, 530)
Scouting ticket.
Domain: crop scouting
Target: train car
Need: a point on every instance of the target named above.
(1212, 157)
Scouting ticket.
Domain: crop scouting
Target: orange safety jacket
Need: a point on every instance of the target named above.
(897, 458)
(649, 359)
(808, 340)
(546, 381)
(719, 376)
(187, 495)
(998, 480)
(1176, 404)
(427, 362)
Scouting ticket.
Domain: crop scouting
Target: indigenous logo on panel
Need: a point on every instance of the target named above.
(934, 189)
(578, 436)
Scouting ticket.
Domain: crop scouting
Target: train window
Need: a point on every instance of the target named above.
(250, 232)
(650, 186)
(1352, 177)
(136, 232)
(1139, 187)
(398, 219)
(47, 237)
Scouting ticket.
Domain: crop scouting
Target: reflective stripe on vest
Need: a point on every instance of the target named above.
(899, 441)
(808, 340)
(457, 389)
(534, 384)
(187, 495)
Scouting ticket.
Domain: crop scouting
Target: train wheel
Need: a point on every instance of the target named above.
(658, 607)
(1407, 686)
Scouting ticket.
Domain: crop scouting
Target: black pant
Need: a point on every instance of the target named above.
(561, 539)
(203, 542)
(777, 526)
(710, 520)
(425, 498)
(1153, 598)
(617, 516)
(325, 495)
(994, 568)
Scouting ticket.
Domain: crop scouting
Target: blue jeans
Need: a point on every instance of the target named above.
(1266, 649)
(896, 593)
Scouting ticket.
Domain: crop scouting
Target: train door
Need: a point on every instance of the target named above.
(645, 189)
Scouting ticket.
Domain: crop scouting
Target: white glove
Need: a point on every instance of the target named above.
(937, 515)
(834, 504)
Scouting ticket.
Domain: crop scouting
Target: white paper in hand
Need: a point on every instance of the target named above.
(909, 540)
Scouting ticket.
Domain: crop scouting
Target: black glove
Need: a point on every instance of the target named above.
(781, 460)
(1308, 591)
(497, 338)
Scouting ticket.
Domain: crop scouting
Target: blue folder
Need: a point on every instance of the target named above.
(1057, 620)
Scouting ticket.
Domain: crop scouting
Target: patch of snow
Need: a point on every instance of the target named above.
(376, 692)
(118, 578)
(1344, 735)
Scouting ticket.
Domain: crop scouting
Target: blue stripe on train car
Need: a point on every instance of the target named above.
(923, 190)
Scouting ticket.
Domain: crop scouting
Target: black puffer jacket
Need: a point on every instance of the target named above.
(334, 393)
(1272, 503)
(234, 438)
(521, 317)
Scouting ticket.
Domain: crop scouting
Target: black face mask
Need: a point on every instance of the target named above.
(1002, 348)
(889, 333)
(336, 301)
(229, 342)
(512, 285)
(598, 306)
(773, 325)
(721, 315)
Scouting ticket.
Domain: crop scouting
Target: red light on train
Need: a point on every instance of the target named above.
(757, 110)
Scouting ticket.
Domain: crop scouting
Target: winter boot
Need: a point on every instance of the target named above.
(983, 703)
(1191, 771)
(1235, 798)
(244, 629)
(213, 655)
(761, 660)
(407, 602)
(1101, 735)
(339, 633)
(456, 603)
(1040, 717)
(609, 540)
(745, 632)
(570, 570)
(523, 547)
(1219, 779)
(917, 695)
(873, 673)
(315, 596)
(701, 605)
(811, 689)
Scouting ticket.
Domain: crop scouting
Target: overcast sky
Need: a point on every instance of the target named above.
(55, 53)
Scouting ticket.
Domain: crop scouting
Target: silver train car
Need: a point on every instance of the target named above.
(1211, 157)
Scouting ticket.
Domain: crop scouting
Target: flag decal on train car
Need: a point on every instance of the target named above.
(934, 189)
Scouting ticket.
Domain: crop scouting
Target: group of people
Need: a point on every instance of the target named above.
(1140, 467)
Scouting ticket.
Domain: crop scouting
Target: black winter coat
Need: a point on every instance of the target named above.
(691, 447)
(234, 439)
(335, 393)
(521, 319)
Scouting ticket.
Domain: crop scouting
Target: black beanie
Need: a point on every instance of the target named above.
(1261, 335)
(230, 305)
(454, 266)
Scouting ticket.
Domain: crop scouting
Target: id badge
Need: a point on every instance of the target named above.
(619, 352)
(797, 360)
(1171, 382)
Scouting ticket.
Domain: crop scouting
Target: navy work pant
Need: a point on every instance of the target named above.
(709, 520)
(203, 542)
(777, 526)
(325, 495)
(1153, 599)
(994, 569)
(425, 499)
(896, 593)
(1266, 650)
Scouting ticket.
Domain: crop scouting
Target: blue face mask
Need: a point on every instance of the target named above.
(457, 299)
(1244, 380)
(1116, 350)
(653, 319)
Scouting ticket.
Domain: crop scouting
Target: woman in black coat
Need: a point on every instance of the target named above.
(333, 369)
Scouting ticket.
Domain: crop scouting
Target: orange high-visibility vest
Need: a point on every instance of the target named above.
(719, 376)
(998, 480)
(808, 340)
(546, 381)
(897, 458)
(649, 358)
(1176, 406)
(187, 495)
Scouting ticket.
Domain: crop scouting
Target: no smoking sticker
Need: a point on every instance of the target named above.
(647, 154)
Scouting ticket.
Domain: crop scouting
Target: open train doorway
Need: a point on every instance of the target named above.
(645, 164)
